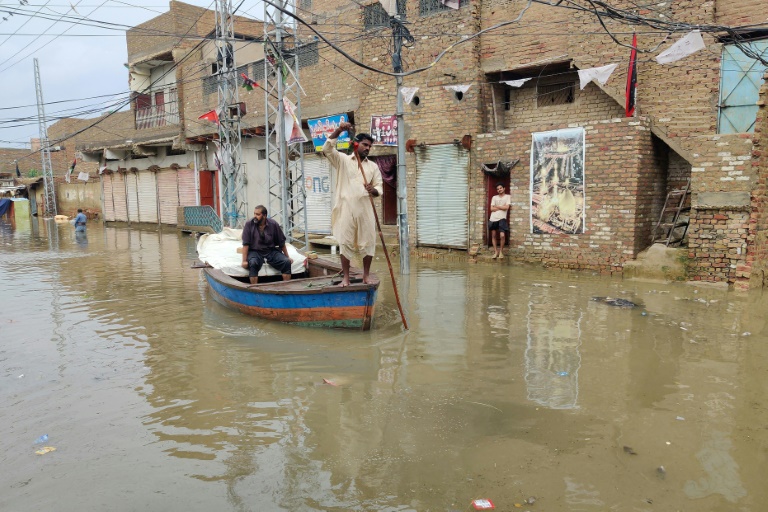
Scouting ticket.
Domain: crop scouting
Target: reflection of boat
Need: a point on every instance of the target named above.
(313, 298)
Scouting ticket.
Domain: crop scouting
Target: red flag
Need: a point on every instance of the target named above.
(632, 79)
(211, 116)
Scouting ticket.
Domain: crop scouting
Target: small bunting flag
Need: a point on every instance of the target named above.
(248, 83)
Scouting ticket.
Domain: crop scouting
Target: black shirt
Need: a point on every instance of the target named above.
(263, 242)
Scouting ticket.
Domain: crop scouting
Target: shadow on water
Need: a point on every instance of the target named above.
(512, 383)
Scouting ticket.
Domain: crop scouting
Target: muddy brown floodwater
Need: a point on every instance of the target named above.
(512, 384)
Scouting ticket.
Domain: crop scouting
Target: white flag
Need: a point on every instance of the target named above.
(453, 4)
(691, 43)
(408, 93)
(82, 176)
(458, 88)
(515, 83)
(601, 74)
(390, 6)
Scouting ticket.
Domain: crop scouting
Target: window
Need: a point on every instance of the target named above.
(262, 154)
(308, 54)
(374, 15)
(210, 85)
(257, 72)
(427, 7)
(305, 4)
(740, 80)
(554, 94)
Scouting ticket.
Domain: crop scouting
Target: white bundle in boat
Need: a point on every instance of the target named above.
(220, 250)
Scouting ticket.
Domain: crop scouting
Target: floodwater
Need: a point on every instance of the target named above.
(512, 384)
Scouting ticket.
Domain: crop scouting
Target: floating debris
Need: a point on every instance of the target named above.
(330, 382)
(483, 504)
(661, 472)
(629, 450)
(611, 301)
(45, 449)
(40, 440)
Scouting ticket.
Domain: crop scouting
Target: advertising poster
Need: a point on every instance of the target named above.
(557, 182)
(320, 129)
(384, 130)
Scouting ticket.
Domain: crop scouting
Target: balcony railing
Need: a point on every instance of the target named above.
(163, 112)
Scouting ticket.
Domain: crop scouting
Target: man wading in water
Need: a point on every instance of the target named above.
(352, 220)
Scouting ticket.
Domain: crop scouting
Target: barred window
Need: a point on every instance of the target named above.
(427, 7)
(257, 70)
(210, 85)
(554, 94)
(374, 15)
(308, 54)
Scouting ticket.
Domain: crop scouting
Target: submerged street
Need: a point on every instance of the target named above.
(512, 385)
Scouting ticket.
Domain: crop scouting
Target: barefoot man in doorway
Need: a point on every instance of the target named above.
(498, 221)
(352, 220)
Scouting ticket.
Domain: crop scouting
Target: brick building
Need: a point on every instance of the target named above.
(684, 126)
(592, 207)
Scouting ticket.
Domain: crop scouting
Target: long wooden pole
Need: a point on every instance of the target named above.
(383, 245)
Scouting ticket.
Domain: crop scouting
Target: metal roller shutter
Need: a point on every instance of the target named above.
(442, 196)
(317, 182)
(118, 195)
(167, 196)
(186, 184)
(132, 197)
(147, 190)
(106, 193)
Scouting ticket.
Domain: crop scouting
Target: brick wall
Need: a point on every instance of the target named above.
(622, 170)
(756, 265)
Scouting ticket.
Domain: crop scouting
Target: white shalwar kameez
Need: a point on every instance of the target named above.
(352, 221)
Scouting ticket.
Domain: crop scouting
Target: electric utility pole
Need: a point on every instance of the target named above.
(400, 32)
(285, 159)
(45, 150)
(230, 152)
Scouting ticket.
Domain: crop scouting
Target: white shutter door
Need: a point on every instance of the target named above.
(186, 184)
(167, 196)
(132, 196)
(118, 194)
(317, 182)
(109, 203)
(147, 188)
(442, 191)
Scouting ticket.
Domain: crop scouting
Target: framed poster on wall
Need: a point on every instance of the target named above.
(557, 182)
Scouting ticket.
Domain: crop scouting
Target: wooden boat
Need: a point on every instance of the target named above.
(312, 299)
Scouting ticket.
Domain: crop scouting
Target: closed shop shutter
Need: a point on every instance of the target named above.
(186, 184)
(106, 193)
(147, 188)
(132, 196)
(317, 182)
(118, 195)
(442, 196)
(167, 196)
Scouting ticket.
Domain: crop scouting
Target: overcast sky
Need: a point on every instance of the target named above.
(76, 62)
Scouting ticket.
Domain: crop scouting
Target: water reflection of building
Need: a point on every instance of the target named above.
(552, 358)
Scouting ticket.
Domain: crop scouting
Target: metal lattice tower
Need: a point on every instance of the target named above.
(285, 160)
(45, 150)
(230, 137)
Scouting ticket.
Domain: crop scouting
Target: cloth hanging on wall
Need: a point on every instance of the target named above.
(388, 167)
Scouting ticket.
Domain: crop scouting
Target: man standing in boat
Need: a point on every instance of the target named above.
(262, 237)
(352, 219)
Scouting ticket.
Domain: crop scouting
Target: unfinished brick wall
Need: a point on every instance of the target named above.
(756, 267)
(621, 171)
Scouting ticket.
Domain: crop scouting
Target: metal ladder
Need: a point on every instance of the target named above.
(668, 228)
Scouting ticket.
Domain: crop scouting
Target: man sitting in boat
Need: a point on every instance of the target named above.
(262, 237)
